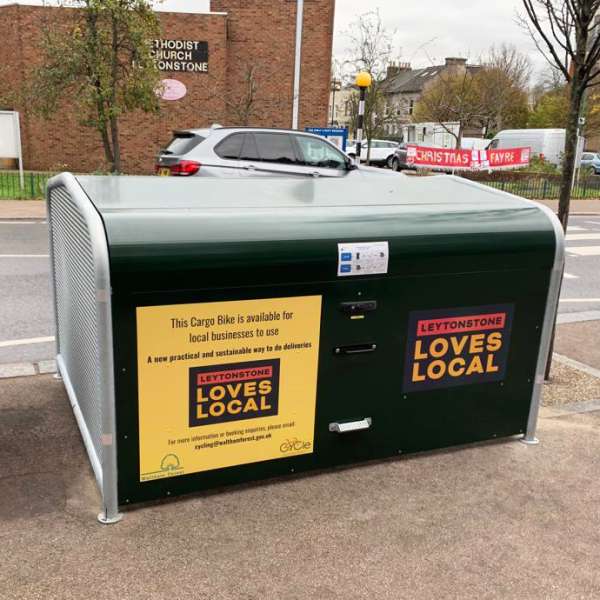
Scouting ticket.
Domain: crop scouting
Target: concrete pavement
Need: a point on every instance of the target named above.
(498, 520)
(581, 207)
(22, 209)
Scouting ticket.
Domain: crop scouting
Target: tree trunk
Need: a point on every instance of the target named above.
(116, 146)
(459, 136)
(568, 167)
(566, 180)
(108, 153)
(102, 121)
(114, 126)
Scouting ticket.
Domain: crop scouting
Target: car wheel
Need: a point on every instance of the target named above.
(389, 161)
(395, 164)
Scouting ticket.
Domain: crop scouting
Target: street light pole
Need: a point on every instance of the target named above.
(363, 81)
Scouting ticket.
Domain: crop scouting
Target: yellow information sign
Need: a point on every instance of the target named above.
(226, 383)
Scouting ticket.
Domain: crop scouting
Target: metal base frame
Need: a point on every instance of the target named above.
(529, 441)
(107, 520)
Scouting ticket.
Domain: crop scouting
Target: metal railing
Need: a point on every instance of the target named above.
(536, 186)
(34, 185)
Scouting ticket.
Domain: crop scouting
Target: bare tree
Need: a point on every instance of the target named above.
(452, 98)
(502, 85)
(246, 102)
(566, 33)
(490, 96)
(372, 50)
(512, 63)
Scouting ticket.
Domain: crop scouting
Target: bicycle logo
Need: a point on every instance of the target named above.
(294, 445)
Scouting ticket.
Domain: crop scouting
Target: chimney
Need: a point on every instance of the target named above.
(394, 69)
(455, 62)
(456, 65)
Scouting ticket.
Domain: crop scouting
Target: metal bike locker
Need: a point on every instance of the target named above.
(215, 331)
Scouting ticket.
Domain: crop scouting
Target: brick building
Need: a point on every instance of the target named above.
(238, 35)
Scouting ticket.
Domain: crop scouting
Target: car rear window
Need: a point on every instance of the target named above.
(249, 149)
(275, 147)
(230, 147)
(183, 143)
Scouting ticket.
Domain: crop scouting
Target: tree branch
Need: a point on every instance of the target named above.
(531, 13)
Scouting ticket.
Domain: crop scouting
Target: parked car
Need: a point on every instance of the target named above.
(253, 152)
(382, 151)
(398, 161)
(549, 143)
(591, 160)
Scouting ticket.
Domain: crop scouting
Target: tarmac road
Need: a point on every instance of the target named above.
(26, 311)
(27, 318)
(581, 283)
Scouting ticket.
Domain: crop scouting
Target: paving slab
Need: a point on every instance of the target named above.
(22, 209)
(582, 207)
(497, 520)
(9, 370)
(579, 341)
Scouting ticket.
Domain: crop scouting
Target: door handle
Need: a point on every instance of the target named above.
(249, 167)
(350, 426)
(355, 349)
(316, 174)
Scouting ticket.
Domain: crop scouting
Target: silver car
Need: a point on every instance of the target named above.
(253, 152)
(591, 160)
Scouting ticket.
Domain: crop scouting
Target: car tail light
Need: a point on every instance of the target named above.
(185, 167)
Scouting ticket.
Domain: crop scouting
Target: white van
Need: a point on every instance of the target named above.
(470, 143)
(547, 142)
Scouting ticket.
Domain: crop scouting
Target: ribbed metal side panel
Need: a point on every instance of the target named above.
(76, 307)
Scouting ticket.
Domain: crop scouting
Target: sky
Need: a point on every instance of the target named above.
(429, 30)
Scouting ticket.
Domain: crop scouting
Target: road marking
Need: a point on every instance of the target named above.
(579, 300)
(569, 276)
(572, 237)
(26, 341)
(575, 228)
(593, 222)
(584, 250)
(24, 256)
